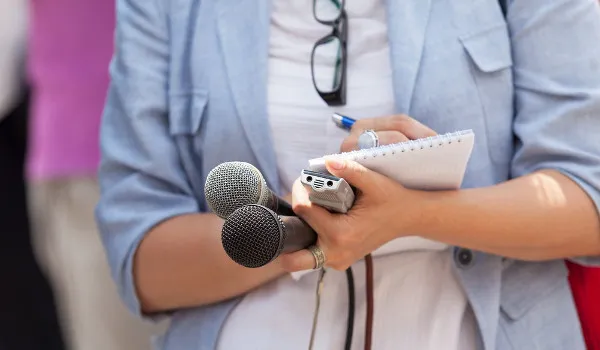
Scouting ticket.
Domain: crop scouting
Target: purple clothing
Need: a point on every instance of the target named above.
(70, 47)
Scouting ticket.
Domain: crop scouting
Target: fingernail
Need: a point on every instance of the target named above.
(336, 164)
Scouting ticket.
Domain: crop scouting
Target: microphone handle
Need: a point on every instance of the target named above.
(283, 208)
(298, 235)
(276, 204)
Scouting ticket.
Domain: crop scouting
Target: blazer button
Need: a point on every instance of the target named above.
(464, 257)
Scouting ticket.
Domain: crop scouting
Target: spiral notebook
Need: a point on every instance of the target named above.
(433, 163)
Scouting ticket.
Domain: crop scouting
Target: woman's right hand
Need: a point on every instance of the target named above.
(371, 222)
(390, 129)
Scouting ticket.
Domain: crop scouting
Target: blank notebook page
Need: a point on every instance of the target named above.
(433, 163)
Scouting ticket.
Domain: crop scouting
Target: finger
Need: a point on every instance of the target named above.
(385, 138)
(390, 137)
(288, 198)
(353, 172)
(377, 124)
(408, 126)
(299, 195)
(315, 216)
(413, 129)
(298, 261)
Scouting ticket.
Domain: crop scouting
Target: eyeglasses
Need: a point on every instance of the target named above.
(328, 60)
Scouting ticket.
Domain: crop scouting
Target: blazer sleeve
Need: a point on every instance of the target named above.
(556, 55)
(141, 180)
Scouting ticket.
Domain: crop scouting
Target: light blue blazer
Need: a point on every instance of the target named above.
(188, 92)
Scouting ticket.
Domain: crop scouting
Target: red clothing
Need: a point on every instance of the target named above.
(585, 284)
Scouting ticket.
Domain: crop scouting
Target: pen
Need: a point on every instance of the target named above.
(342, 121)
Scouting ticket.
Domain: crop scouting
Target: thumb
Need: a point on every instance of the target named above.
(351, 171)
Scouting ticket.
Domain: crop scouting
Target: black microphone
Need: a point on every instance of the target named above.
(232, 185)
(254, 235)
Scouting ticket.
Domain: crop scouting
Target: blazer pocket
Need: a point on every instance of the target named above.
(489, 51)
(538, 311)
(525, 284)
(186, 111)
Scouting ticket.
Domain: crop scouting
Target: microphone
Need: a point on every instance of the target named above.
(254, 235)
(232, 185)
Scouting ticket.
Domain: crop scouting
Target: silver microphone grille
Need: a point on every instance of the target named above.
(232, 185)
(253, 236)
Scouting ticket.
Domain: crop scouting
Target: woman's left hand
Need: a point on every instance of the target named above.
(374, 220)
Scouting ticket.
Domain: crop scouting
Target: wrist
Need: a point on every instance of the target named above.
(427, 212)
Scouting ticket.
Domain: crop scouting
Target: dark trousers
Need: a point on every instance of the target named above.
(28, 318)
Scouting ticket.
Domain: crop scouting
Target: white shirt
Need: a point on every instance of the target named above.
(13, 25)
(419, 303)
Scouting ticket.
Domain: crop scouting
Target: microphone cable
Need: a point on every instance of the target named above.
(351, 303)
(317, 305)
(370, 301)
(370, 304)
(351, 308)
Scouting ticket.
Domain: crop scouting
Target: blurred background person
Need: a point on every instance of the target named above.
(27, 315)
(71, 43)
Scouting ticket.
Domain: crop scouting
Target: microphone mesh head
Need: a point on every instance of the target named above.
(232, 185)
(253, 236)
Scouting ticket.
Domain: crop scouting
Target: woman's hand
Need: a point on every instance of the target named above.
(390, 129)
(288, 198)
(373, 220)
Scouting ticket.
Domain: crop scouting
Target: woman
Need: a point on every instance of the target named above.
(198, 83)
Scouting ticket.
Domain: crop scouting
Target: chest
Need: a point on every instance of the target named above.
(300, 121)
(449, 68)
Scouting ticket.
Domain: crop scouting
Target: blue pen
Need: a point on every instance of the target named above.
(342, 121)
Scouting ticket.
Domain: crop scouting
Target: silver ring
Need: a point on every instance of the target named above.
(368, 139)
(319, 256)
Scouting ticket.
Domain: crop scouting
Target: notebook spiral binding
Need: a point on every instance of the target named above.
(406, 146)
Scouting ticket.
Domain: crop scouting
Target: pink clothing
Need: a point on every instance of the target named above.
(70, 47)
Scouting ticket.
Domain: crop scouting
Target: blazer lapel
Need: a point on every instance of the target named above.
(243, 27)
(407, 24)
(482, 285)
